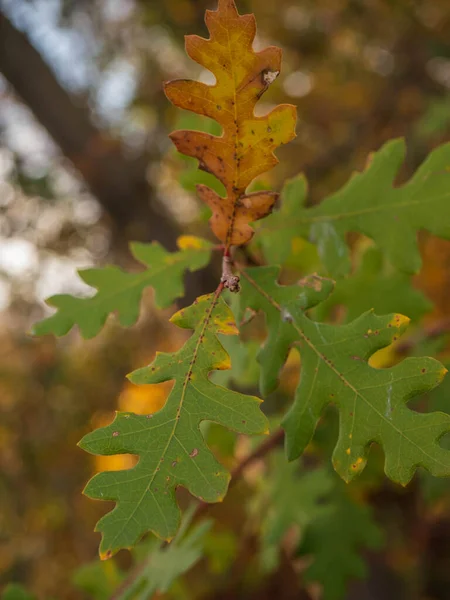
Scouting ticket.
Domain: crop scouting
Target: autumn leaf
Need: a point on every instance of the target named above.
(121, 292)
(169, 444)
(334, 369)
(245, 149)
(370, 204)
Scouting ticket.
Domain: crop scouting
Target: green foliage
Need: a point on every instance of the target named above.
(334, 541)
(122, 292)
(172, 446)
(295, 497)
(335, 369)
(331, 527)
(435, 490)
(160, 565)
(164, 564)
(169, 444)
(375, 286)
(14, 591)
(369, 204)
(98, 579)
(281, 334)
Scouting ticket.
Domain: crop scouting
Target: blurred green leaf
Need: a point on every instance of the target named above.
(369, 204)
(375, 286)
(164, 564)
(122, 292)
(98, 579)
(220, 549)
(335, 540)
(436, 118)
(294, 498)
(438, 399)
(14, 591)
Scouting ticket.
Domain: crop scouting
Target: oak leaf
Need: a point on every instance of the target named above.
(335, 368)
(369, 203)
(169, 443)
(121, 292)
(245, 149)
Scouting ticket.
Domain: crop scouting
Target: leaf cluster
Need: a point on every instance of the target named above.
(336, 353)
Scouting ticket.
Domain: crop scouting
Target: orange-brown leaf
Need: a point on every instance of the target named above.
(248, 208)
(246, 146)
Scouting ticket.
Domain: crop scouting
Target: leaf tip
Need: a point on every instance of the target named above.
(105, 555)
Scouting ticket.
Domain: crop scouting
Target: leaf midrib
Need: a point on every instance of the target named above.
(186, 381)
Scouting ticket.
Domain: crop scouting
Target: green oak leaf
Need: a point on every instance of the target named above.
(120, 291)
(370, 204)
(334, 540)
(169, 444)
(375, 285)
(281, 335)
(372, 402)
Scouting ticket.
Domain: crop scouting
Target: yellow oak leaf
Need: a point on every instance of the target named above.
(245, 148)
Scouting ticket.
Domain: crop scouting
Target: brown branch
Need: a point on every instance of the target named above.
(270, 444)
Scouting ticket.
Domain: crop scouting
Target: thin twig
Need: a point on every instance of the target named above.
(229, 279)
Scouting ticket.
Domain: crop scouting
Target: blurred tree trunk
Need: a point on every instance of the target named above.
(119, 183)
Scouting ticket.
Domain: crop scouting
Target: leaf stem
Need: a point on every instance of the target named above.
(229, 279)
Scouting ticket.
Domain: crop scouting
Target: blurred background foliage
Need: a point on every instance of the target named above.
(86, 166)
